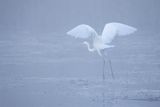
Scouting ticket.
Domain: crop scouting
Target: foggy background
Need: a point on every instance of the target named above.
(41, 66)
(60, 15)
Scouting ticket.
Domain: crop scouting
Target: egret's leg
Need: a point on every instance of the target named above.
(103, 76)
(110, 66)
(103, 67)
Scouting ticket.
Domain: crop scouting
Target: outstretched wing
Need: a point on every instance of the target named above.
(82, 31)
(112, 29)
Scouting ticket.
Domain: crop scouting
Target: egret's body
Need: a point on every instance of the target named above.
(98, 45)
(101, 42)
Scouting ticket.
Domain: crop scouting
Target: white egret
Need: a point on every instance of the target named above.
(101, 42)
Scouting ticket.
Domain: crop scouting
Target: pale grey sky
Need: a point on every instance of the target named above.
(60, 15)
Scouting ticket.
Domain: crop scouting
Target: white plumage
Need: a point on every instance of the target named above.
(110, 31)
(82, 31)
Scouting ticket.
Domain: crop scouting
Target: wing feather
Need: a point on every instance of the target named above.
(82, 31)
(112, 29)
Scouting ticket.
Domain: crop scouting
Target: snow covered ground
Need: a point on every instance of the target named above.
(55, 70)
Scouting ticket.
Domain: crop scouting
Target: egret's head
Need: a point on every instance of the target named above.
(88, 46)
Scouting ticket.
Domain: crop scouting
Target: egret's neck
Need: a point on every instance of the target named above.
(88, 46)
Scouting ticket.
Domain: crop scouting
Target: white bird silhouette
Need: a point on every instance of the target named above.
(110, 31)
